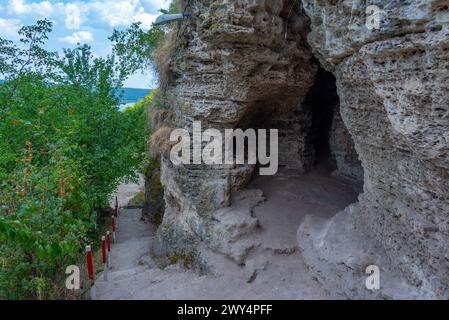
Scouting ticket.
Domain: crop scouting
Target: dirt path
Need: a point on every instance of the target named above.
(134, 275)
(275, 271)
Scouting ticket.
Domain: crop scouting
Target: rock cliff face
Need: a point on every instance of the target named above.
(238, 64)
(252, 64)
(393, 88)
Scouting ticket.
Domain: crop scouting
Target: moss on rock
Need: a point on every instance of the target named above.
(153, 204)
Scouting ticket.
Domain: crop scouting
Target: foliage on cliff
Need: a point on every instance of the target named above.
(151, 49)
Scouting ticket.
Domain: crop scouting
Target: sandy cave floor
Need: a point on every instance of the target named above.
(275, 271)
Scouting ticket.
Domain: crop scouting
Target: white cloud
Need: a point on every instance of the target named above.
(9, 28)
(100, 13)
(158, 4)
(73, 16)
(20, 7)
(146, 19)
(17, 7)
(121, 13)
(78, 37)
(117, 13)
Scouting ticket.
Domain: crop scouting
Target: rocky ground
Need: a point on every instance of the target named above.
(274, 270)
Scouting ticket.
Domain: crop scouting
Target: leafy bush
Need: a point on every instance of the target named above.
(64, 147)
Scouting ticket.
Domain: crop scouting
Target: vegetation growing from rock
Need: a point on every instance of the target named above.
(149, 49)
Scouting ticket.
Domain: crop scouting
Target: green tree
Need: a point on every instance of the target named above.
(137, 47)
(64, 148)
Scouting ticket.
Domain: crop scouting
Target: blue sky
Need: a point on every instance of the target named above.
(82, 21)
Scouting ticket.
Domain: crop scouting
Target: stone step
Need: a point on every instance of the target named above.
(125, 274)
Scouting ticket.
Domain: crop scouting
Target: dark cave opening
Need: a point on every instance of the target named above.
(323, 102)
(330, 138)
(315, 152)
(312, 133)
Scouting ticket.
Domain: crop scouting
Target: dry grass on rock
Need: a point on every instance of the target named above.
(160, 141)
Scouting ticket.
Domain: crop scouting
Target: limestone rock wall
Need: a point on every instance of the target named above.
(237, 64)
(343, 150)
(251, 63)
(393, 86)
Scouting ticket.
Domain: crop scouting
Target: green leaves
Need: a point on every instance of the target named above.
(135, 47)
(36, 34)
(64, 147)
(30, 56)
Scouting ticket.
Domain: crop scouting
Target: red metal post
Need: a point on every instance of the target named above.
(113, 228)
(103, 249)
(90, 266)
(103, 255)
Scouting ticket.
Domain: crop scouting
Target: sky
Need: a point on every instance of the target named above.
(82, 21)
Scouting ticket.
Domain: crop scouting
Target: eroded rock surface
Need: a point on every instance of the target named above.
(393, 88)
(250, 64)
(343, 150)
(238, 64)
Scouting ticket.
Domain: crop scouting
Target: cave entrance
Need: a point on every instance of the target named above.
(311, 132)
(319, 171)
(323, 101)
